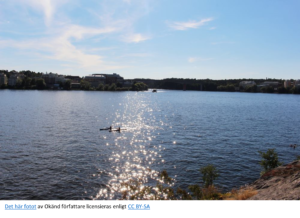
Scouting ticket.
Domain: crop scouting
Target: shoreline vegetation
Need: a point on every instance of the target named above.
(273, 176)
(29, 80)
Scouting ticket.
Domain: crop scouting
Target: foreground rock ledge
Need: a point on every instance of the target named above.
(281, 183)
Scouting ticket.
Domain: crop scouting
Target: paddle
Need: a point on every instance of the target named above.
(104, 129)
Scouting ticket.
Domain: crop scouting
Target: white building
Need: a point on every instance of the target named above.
(12, 81)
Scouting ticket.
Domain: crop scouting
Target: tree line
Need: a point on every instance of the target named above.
(33, 80)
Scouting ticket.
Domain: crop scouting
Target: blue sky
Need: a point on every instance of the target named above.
(157, 39)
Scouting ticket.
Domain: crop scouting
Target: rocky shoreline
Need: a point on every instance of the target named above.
(281, 183)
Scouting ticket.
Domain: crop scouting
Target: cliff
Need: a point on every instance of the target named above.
(281, 183)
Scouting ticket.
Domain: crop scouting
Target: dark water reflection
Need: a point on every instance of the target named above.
(51, 146)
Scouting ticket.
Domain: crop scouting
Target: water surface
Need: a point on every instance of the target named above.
(51, 146)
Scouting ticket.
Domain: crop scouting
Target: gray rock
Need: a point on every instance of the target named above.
(281, 183)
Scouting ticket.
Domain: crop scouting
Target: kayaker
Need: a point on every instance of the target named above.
(110, 128)
(119, 129)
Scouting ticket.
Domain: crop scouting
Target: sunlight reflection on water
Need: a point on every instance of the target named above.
(132, 162)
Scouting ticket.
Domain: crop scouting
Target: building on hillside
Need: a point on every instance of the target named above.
(128, 83)
(60, 79)
(53, 80)
(74, 79)
(273, 85)
(75, 86)
(95, 80)
(269, 83)
(111, 78)
(3, 79)
(14, 77)
(245, 84)
(297, 85)
(49, 78)
(288, 83)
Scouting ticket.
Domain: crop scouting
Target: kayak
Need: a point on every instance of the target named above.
(104, 129)
(116, 130)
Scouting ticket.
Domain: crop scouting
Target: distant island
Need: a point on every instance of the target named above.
(114, 82)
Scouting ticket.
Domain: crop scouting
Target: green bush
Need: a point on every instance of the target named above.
(40, 83)
(112, 87)
(106, 87)
(209, 174)
(100, 87)
(140, 86)
(85, 85)
(269, 160)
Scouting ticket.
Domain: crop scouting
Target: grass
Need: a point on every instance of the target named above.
(241, 194)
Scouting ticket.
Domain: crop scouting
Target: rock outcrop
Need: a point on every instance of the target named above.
(281, 183)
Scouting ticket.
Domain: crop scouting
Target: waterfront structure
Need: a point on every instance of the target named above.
(111, 78)
(273, 85)
(60, 79)
(14, 77)
(269, 83)
(12, 81)
(245, 84)
(288, 83)
(75, 86)
(297, 85)
(127, 83)
(49, 78)
(53, 79)
(95, 80)
(3, 79)
(74, 79)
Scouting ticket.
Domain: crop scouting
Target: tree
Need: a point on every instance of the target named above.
(40, 83)
(112, 87)
(139, 86)
(209, 174)
(67, 85)
(269, 160)
(100, 87)
(196, 191)
(27, 82)
(251, 88)
(32, 83)
(19, 83)
(267, 89)
(106, 87)
(85, 85)
(119, 85)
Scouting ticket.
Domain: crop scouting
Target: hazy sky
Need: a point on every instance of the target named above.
(217, 39)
